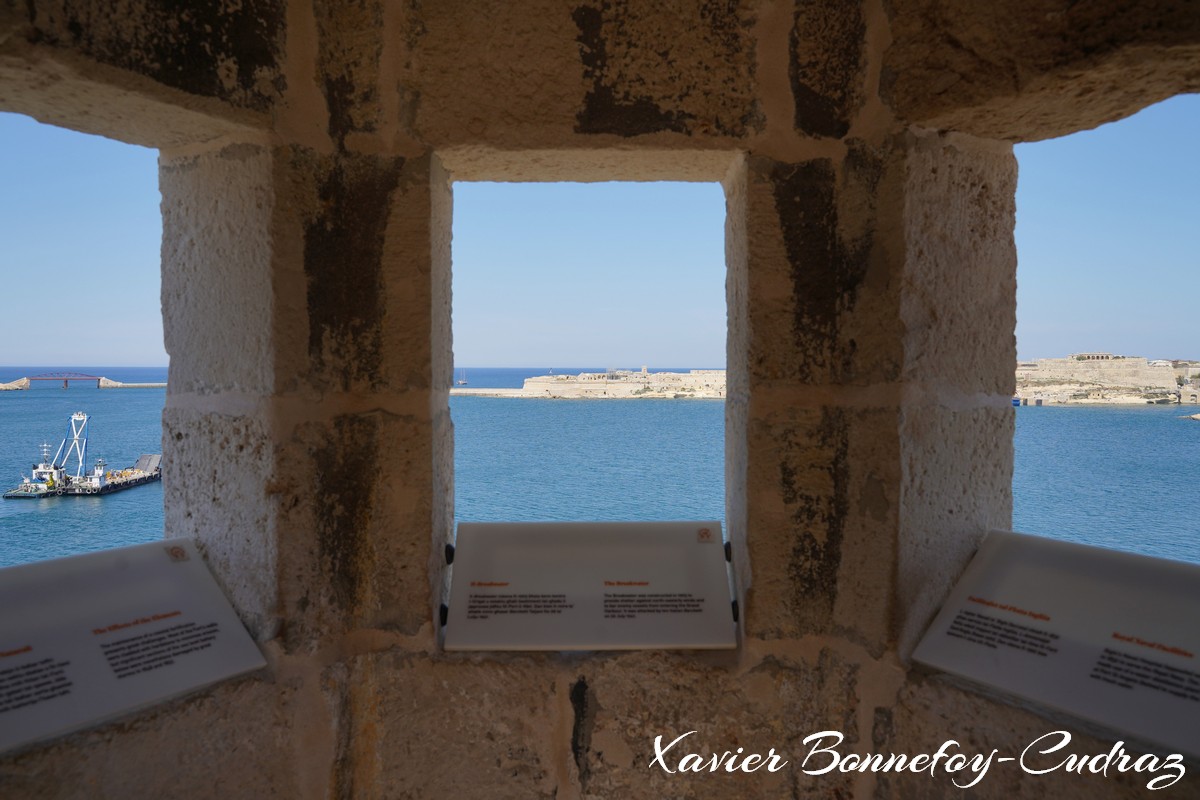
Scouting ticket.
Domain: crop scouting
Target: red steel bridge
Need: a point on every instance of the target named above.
(66, 377)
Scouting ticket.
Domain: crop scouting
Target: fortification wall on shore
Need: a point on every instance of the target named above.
(1131, 372)
(698, 383)
(615, 384)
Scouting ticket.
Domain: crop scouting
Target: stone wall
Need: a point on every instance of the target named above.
(308, 152)
(1132, 372)
(709, 383)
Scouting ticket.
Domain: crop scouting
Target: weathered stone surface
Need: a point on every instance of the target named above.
(213, 49)
(820, 514)
(360, 245)
(666, 67)
(774, 703)
(231, 741)
(350, 48)
(531, 101)
(957, 486)
(344, 240)
(817, 280)
(827, 68)
(356, 526)
(930, 712)
(233, 520)
(960, 278)
(74, 93)
(217, 270)
(499, 727)
(1034, 69)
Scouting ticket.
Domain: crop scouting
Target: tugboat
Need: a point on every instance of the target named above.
(48, 479)
(51, 479)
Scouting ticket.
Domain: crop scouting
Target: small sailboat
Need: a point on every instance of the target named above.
(462, 377)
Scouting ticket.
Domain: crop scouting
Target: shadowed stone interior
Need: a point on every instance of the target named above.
(308, 152)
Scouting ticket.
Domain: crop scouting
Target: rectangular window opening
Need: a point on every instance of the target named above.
(1108, 369)
(589, 330)
(80, 238)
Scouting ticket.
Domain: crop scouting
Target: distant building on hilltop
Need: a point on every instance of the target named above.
(1098, 369)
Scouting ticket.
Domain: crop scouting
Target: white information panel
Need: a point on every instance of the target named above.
(90, 637)
(1110, 637)
(590, 586)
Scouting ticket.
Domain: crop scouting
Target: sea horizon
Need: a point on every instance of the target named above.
(1112, 476)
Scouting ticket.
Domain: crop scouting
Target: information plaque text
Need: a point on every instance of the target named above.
(89, 637)
(1109, 637)
(590, 586)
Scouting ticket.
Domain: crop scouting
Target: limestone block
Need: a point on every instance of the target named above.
(666, 66)
(466, 728)
(355, 528)
(71, 91)
(864, 609)
(343, 265)
(820, 295)
(737, 395)
(736, 459)
(620, 706)
(230, 741)
(827, 66)
(350, 45)
(822, 520)
(1034, 69)
(453, 93)
(442, 519)
(625, 69)
(931, 711)
(217, 290)
(957, 485)
(363, 224)
(217, 478)
(958, 300)
(228, 52)
(441, 375)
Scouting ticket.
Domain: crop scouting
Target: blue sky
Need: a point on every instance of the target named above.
(1108, 240)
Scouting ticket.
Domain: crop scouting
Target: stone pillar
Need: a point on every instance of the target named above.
(219, 307)
(821, 350)
(353, 409)
(306, 304)
(879, 309)
(958, 310)
(297, 297)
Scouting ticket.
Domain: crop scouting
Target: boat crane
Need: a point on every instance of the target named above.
(51, 478)
(77, 436)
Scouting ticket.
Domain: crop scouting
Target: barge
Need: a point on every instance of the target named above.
(51, 478)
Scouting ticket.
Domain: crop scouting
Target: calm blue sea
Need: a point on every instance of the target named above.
(1117, 477)
(1125, 477)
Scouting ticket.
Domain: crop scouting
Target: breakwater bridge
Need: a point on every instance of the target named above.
(67, 377)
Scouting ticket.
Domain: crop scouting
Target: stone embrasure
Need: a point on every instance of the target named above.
(307, 156)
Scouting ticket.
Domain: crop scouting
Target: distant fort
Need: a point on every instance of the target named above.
(1106, 378)
(616, 384)
(1083, 378)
